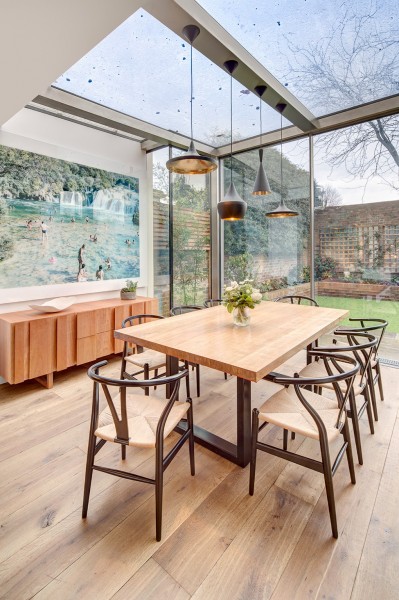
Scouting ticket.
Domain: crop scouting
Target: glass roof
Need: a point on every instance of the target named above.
(331, 55)
(143, 69)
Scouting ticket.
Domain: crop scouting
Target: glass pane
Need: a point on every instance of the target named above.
(143, 69)
(357, 224)
(272, 252)
(191, 239)
(161, 230)
(331, 55)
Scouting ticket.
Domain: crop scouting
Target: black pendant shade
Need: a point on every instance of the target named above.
(232, 207)
(282, 210)
(191, 163)
(261, 186)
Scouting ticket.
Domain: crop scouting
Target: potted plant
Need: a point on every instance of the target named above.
(129, 292)
(239, 298)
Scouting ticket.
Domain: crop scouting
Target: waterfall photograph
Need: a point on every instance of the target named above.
(62, 222)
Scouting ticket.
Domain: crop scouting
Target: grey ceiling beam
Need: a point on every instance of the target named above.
(70, 104)
(218, 46)
(352, 116)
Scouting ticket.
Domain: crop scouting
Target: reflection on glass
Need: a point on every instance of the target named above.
(272, 252)
(142, 69)
(191, 239)
(357, 225)
(331, 55)
(161, 230)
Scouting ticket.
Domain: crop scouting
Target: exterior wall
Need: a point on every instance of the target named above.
(360, 236)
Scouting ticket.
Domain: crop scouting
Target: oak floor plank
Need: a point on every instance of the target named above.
(151, 582)
(196, 546)
(129, 545)
(377, 576)
(252, 564)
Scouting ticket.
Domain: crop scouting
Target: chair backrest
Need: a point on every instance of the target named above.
(212, 302)
(341, 374)
(129, 322)
(181, 310)
(121, 420)
(297, 299)
(376, 326)
(360, 344)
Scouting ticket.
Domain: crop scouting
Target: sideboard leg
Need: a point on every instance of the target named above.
(46, 381)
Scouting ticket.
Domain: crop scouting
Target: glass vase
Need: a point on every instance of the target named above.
(241, 316)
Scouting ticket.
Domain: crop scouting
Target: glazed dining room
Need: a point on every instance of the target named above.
(199, 300)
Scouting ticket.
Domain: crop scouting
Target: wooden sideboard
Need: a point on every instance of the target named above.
(35, 345)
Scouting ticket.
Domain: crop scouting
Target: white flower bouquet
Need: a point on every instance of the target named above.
(238, 297)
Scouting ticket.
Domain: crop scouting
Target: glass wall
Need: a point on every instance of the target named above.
(357, 223)
(182, 232)
(275, 253)
(191, 238)
(161, 233)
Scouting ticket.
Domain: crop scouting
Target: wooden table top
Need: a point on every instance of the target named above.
(208, 337)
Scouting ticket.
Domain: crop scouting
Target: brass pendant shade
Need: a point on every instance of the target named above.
(232, 207)
(282, 210)
(261, 186)
(191, 163)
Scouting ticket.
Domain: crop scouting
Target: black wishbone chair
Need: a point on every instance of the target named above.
(375, 327)
(361, 346)
(147, 360)
(213, 302)
(297, 300)
(297, 409)
(181, 310)
(139, 421)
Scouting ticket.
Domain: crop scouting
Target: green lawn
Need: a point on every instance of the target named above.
(366, 308)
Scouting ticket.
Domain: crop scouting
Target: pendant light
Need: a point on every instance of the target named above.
(232, 207)
(191, 163)
(261, 186)
(282, 210)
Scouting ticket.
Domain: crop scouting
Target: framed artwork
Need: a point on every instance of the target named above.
(63, 222)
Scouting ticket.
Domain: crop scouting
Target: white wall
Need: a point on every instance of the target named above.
(51, 136)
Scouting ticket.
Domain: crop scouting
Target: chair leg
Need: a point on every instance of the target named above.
(349, 454)
(158, 492)
(191, 437)
(369, 409)
(155, 375)
(371, 387)
(187, 380)
(378, 369)
(293, 435)
(146, 376)
(285, 439)
(123, 367)
(123, 452)
(225, 375)
(325, 456)
(252, 467)
(356, 430)
(197, 373)
(89, 473)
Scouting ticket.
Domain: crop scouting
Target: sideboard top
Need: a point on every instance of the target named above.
(32, 315)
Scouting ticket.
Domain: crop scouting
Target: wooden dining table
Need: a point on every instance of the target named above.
(208, 337)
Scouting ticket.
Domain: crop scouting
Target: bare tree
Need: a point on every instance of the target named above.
(357, 62)
(327, 196)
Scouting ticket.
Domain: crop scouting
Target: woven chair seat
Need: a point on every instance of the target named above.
(286, 410)
(154, 359)
(317, 369)
(143, 414)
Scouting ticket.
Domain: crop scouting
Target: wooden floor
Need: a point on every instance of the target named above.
(218, 542)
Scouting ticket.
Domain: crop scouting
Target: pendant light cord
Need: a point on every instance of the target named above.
(231, 128)
(281, 160)
(260, 120)
(191, 88)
